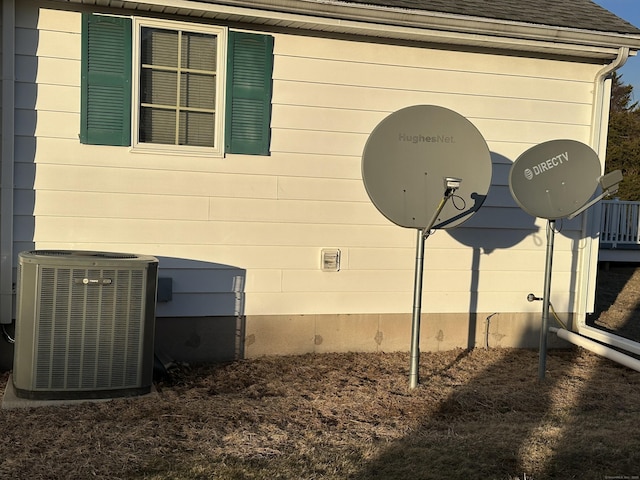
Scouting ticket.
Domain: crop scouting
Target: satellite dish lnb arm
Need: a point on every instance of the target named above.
(609, 183)
(451, 184)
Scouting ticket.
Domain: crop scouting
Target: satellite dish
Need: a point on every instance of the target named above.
(555, 179)
(415, 154)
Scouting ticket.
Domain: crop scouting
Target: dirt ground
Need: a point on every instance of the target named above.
(618, 301)
(480, 414)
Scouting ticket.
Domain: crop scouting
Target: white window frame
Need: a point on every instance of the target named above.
(222, 32)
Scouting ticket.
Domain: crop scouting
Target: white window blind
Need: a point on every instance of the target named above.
(178, 87)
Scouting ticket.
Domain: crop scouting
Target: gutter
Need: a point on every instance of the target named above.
(6, 161)
(393, 23)
(431, 19)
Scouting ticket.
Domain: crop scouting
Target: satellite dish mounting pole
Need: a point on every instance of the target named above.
(544, 329)
(451, 185)
(417, 307)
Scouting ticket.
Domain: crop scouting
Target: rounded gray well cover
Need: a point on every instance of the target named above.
(554, 179)
(407, 157)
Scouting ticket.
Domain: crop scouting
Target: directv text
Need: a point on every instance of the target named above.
(547, 165)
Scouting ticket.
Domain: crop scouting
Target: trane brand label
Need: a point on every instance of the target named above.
(404, 137)
(545, 166)
(93, 281)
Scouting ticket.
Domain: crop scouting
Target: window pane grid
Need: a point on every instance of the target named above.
(177, 88)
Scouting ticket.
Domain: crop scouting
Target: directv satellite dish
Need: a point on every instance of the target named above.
(555, 179)
(414, 154)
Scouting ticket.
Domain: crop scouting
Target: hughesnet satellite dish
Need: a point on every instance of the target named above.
(410, 154)
(554, 179)
(425, 167)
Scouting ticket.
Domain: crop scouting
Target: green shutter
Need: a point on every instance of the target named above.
(106, 80)
(248, 109)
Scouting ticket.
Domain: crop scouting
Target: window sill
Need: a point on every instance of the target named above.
(176, 151)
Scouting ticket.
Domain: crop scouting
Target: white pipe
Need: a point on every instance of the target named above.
(608, 338)
(6, 161)
(597, 348)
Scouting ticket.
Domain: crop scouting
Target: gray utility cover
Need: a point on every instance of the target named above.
(409, 154)
(554, 179)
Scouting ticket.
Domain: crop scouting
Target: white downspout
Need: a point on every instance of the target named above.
(591, 217)
(602, 102)
(7, 161)
(589, 337)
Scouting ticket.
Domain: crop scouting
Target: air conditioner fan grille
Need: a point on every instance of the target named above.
(89, 337)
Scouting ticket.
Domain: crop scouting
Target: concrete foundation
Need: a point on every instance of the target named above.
(216, 339)
(222, 339)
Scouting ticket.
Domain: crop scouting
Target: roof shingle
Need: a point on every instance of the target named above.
(579, 14)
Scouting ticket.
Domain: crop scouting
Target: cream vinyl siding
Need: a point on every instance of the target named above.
(243, 234)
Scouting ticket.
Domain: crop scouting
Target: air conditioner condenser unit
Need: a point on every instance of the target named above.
(85, 324)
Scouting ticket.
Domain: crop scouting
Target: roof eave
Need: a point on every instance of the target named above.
(394, 23)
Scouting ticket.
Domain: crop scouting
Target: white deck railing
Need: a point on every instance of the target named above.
(620, 223)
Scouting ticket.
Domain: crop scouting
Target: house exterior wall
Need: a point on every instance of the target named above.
(241, 236)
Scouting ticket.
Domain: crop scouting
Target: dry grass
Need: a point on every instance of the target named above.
(476, 415)
(618, 295)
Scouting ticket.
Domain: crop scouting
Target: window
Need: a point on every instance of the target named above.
(176, 92)
(191, 89)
